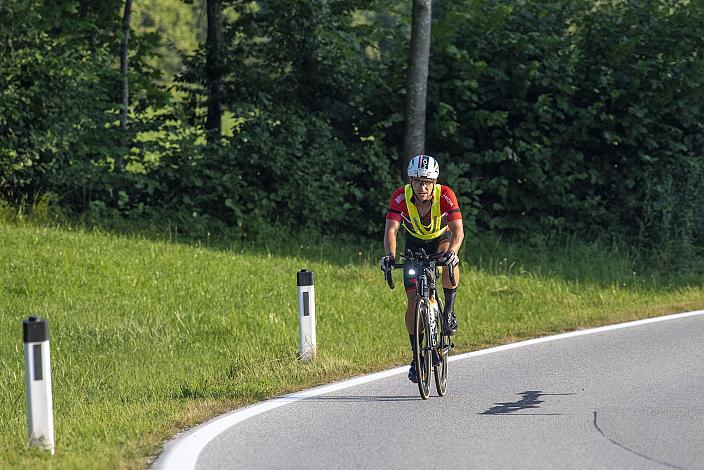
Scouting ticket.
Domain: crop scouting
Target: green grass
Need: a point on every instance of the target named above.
(149, 337)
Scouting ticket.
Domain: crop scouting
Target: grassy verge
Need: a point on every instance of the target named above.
(149, 337)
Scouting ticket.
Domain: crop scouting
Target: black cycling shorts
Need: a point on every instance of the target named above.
(415, 244)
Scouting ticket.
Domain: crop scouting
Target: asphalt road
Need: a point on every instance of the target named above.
(628, 398)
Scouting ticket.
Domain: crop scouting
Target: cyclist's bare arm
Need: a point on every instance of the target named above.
(457, 229)
(455, 243)
(390, 233)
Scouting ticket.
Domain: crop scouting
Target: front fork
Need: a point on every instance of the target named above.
(431, 319)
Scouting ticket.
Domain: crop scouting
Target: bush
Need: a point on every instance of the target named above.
(574, 116)
(288, 170)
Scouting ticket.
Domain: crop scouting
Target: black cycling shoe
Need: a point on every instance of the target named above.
(450, 325)
(413, 373)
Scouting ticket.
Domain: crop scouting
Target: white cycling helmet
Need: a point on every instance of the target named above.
(423, 166)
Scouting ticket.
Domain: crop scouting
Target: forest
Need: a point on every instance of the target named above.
(578, 117)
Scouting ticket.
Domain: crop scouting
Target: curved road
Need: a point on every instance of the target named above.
(621, 398)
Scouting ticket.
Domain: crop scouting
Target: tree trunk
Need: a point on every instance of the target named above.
(124, 50)
(417, 86)
(213, 71)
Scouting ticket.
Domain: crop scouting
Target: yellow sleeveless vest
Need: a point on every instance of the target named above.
(418, 229)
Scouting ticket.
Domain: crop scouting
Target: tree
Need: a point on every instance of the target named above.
(124, 50)
(417, 85)
(213, 71)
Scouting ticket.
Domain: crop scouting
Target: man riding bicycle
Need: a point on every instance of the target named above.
(431, 216)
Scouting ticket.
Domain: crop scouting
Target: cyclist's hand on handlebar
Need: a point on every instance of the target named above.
(449, 258)
(387, 262)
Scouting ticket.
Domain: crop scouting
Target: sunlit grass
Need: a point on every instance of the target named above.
(149, 337)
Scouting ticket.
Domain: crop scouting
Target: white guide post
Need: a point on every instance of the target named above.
(306, 314)
(40, 410)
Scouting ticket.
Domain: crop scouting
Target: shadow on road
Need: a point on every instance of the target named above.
(530, 400)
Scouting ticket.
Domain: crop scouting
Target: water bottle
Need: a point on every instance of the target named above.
(434, 315)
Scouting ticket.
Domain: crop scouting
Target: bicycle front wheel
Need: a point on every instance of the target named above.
(440, 366)
(422, 351)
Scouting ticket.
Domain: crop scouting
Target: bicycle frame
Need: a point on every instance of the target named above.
(427, 290)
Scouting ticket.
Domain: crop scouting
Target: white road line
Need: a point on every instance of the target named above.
(182, 452)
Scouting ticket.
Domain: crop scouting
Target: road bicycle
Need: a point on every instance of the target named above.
(431, 348)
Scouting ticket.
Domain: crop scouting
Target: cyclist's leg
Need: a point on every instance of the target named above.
(409, 283)
(410, 327)
(449, 290)
(410, 310)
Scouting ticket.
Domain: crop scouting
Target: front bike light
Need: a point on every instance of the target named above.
(411, 272)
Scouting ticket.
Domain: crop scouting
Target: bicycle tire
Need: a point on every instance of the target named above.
(421, 351)
(440, 369)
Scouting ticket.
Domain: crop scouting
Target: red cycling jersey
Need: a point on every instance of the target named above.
(449, 208)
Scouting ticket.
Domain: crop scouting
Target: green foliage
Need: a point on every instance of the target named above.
(292, 171)
(568, 116)
(180, 25)
(573, 116)
(41, 83)
(297, 77)
(59, 95)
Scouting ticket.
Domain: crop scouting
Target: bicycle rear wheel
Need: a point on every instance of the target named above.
(440, 368)
(422, 352)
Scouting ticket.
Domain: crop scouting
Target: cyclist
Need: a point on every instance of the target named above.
(432, 220)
